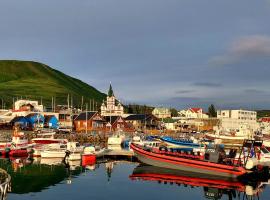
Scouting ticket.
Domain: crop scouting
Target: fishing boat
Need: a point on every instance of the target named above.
(47, 138)
(209, 163)
(231, 137)
(18, 141)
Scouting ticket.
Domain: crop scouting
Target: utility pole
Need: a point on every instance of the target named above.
(86, 126)
(82, 104)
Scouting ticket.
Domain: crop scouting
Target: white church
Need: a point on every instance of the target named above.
(112, 106)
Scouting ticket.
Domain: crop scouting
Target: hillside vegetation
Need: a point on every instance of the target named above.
(35, 80)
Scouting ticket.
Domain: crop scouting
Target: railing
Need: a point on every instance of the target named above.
(5, 187)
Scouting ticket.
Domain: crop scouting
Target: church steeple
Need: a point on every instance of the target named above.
(110, 92)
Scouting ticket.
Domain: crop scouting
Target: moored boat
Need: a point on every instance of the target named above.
(208, 164)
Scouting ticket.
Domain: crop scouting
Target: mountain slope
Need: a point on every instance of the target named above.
(35, 80)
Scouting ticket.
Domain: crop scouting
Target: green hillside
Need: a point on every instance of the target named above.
(34, 81)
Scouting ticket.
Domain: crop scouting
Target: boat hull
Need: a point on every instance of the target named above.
(184, 164)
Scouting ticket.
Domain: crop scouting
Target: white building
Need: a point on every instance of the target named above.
(193, 113)
(27, 105)
(162, 113)
(111, 108)
(234, 119)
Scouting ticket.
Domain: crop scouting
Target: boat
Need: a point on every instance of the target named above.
(18, 141)
(70, 151)
(231, 137)
(180, 143)
(209, 163)
(47, 138)
(116, 139)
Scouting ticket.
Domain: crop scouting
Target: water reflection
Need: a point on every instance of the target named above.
(35, 175)
(50, 176)
(213, 187)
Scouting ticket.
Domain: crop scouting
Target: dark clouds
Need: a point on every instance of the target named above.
(153, 51)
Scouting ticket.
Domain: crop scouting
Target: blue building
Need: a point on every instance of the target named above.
(20, 121)
(51, 122)
(35, 120)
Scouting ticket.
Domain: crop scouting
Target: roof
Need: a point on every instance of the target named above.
(82, 116)
(48, 117)
(15, 119)
(110, 92)
(195, 110)
(111, 119)
(139, 117)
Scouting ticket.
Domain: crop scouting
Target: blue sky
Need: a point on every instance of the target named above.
(176, 53)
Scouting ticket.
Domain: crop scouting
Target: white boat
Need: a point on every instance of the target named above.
(72, 151)
(18, 141)
(232, 137)
(116, 139)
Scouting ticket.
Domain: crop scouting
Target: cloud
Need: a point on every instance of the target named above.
(184, 91)
(249, 47)
(254, 91)
(207, 84)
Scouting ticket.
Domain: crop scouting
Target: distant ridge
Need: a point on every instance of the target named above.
(33, 80)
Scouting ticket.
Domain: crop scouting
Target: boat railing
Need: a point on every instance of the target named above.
(5, 187)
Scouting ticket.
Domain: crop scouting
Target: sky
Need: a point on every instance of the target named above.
(177, 53)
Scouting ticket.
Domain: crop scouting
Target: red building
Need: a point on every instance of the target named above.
(90, 121)
(117, 123)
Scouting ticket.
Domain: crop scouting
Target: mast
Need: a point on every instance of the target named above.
(86, 106)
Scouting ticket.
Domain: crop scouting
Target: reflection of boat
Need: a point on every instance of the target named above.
(51, 161)
(152, 173)
(214, 186)
(196, 163)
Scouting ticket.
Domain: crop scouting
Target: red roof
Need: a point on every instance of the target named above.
(195, 110)
(265, 119)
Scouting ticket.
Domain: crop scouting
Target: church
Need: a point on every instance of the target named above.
(112, 106)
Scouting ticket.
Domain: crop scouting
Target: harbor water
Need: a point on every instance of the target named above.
(115, 179)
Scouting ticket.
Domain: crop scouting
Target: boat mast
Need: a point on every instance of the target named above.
(86, 107)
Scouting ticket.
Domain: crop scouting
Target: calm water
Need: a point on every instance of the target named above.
(113, 180)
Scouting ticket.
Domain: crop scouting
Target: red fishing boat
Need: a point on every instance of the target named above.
(210, 163)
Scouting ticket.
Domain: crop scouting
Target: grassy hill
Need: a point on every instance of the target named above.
(35, 80)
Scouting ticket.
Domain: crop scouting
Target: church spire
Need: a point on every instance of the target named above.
(110, 92)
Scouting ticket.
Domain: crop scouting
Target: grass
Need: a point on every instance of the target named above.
(35, 80)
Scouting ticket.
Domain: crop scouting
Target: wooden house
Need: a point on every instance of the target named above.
(90, 121)
(118, 123)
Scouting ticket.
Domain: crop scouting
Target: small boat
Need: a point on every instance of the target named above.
(181, 143)
(71, 151)
(47, 138)
(116, 139)
(207, 164)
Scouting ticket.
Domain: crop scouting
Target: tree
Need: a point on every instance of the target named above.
(212, 111)
(174, 112)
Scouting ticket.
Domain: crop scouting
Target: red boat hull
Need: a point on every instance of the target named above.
(89, 159)
(186, 164)
(18, 153)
